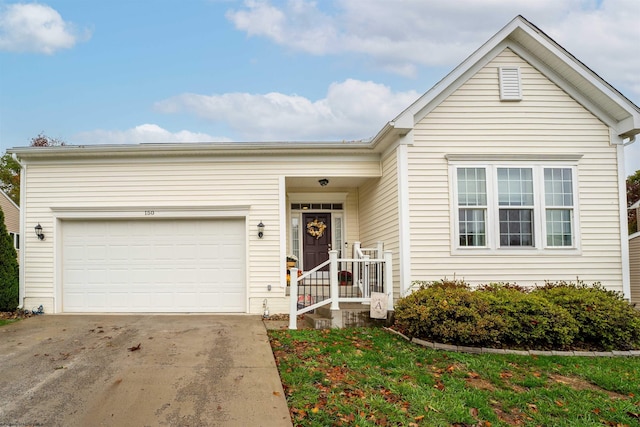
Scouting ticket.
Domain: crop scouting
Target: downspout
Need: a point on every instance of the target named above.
(23, 249)
(619, 143)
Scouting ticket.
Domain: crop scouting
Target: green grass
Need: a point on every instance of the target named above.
(7, 321)
(370, 377)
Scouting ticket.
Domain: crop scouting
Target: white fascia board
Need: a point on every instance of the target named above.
(191, 150)
(628, 126)
(416, 111)
(508, 37)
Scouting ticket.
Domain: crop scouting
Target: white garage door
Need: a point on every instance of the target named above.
(154, 266)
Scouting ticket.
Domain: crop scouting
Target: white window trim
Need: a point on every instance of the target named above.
(492, 246)
(15, 237)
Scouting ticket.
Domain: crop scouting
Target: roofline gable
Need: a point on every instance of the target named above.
(527, 40)
(9, 199)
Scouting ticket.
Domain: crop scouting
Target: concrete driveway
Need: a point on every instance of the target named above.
(190, 370)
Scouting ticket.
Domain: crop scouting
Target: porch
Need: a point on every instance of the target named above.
(340, 290)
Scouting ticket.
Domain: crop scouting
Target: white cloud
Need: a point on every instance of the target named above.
(352, 109)
(402, 37)
(36, 28)
(142, 134)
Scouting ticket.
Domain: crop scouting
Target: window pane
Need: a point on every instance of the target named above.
(558, 187)
(559, 227)
(337, 231)
(472, 187)
(516, 227)
(472, 227)
(515, 187)
(295, 237)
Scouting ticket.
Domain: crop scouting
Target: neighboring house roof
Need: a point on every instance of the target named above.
(561, 67)
(520, 35)
(9, 199)
(636, 205)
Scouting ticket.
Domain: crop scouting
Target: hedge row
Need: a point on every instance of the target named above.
(555, 316)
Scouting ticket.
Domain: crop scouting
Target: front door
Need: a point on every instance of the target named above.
(317, 239)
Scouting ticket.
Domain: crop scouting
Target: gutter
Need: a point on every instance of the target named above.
(23, 181)
(631, 140)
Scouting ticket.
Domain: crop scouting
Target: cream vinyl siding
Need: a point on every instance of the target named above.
(379, 214)
(473, 120)
(634, 262)
(151, 184)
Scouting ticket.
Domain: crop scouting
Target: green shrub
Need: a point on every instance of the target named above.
(531, 321)
(605, 319)
(448, 312)
(8, 270)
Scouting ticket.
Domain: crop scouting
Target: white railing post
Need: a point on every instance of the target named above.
(366, 285)
(293, 298)
(388, 277)
(356, 249)
(355, 274)
(379, 255)
(334, 286)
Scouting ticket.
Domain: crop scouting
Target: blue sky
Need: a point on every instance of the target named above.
(221, 70)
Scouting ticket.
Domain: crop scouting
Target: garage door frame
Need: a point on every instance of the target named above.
(142, 213)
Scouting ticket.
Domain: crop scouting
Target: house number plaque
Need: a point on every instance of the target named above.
(149, 213)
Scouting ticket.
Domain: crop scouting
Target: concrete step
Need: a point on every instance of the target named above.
(350, 315)
(317, 321)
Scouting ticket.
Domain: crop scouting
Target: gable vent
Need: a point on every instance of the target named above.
(510, 89)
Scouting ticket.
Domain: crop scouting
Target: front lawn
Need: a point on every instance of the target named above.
(370, 377)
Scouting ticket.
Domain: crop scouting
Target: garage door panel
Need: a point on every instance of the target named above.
(154, 266)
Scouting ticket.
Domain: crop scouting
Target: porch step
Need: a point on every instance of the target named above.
(317, 321)
(350, 315)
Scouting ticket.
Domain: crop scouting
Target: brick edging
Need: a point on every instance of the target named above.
(486, 350)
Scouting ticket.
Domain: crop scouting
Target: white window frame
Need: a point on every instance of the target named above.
(15, 237)
(540, 207)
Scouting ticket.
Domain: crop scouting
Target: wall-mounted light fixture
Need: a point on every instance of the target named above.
(323, 182)
(260, 230)
(39, 232)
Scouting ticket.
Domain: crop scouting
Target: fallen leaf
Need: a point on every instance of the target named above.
(419, 418)
(315, 410)
(276, 393)
(135, 348)
(634, 415)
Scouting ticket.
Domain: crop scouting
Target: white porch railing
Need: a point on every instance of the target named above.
(346, 280)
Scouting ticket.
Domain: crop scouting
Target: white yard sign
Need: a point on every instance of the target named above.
(379, 303)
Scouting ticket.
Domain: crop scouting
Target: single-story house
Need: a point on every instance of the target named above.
(11, 213)
(510, 169)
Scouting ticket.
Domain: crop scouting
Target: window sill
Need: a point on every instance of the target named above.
(569, 251)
